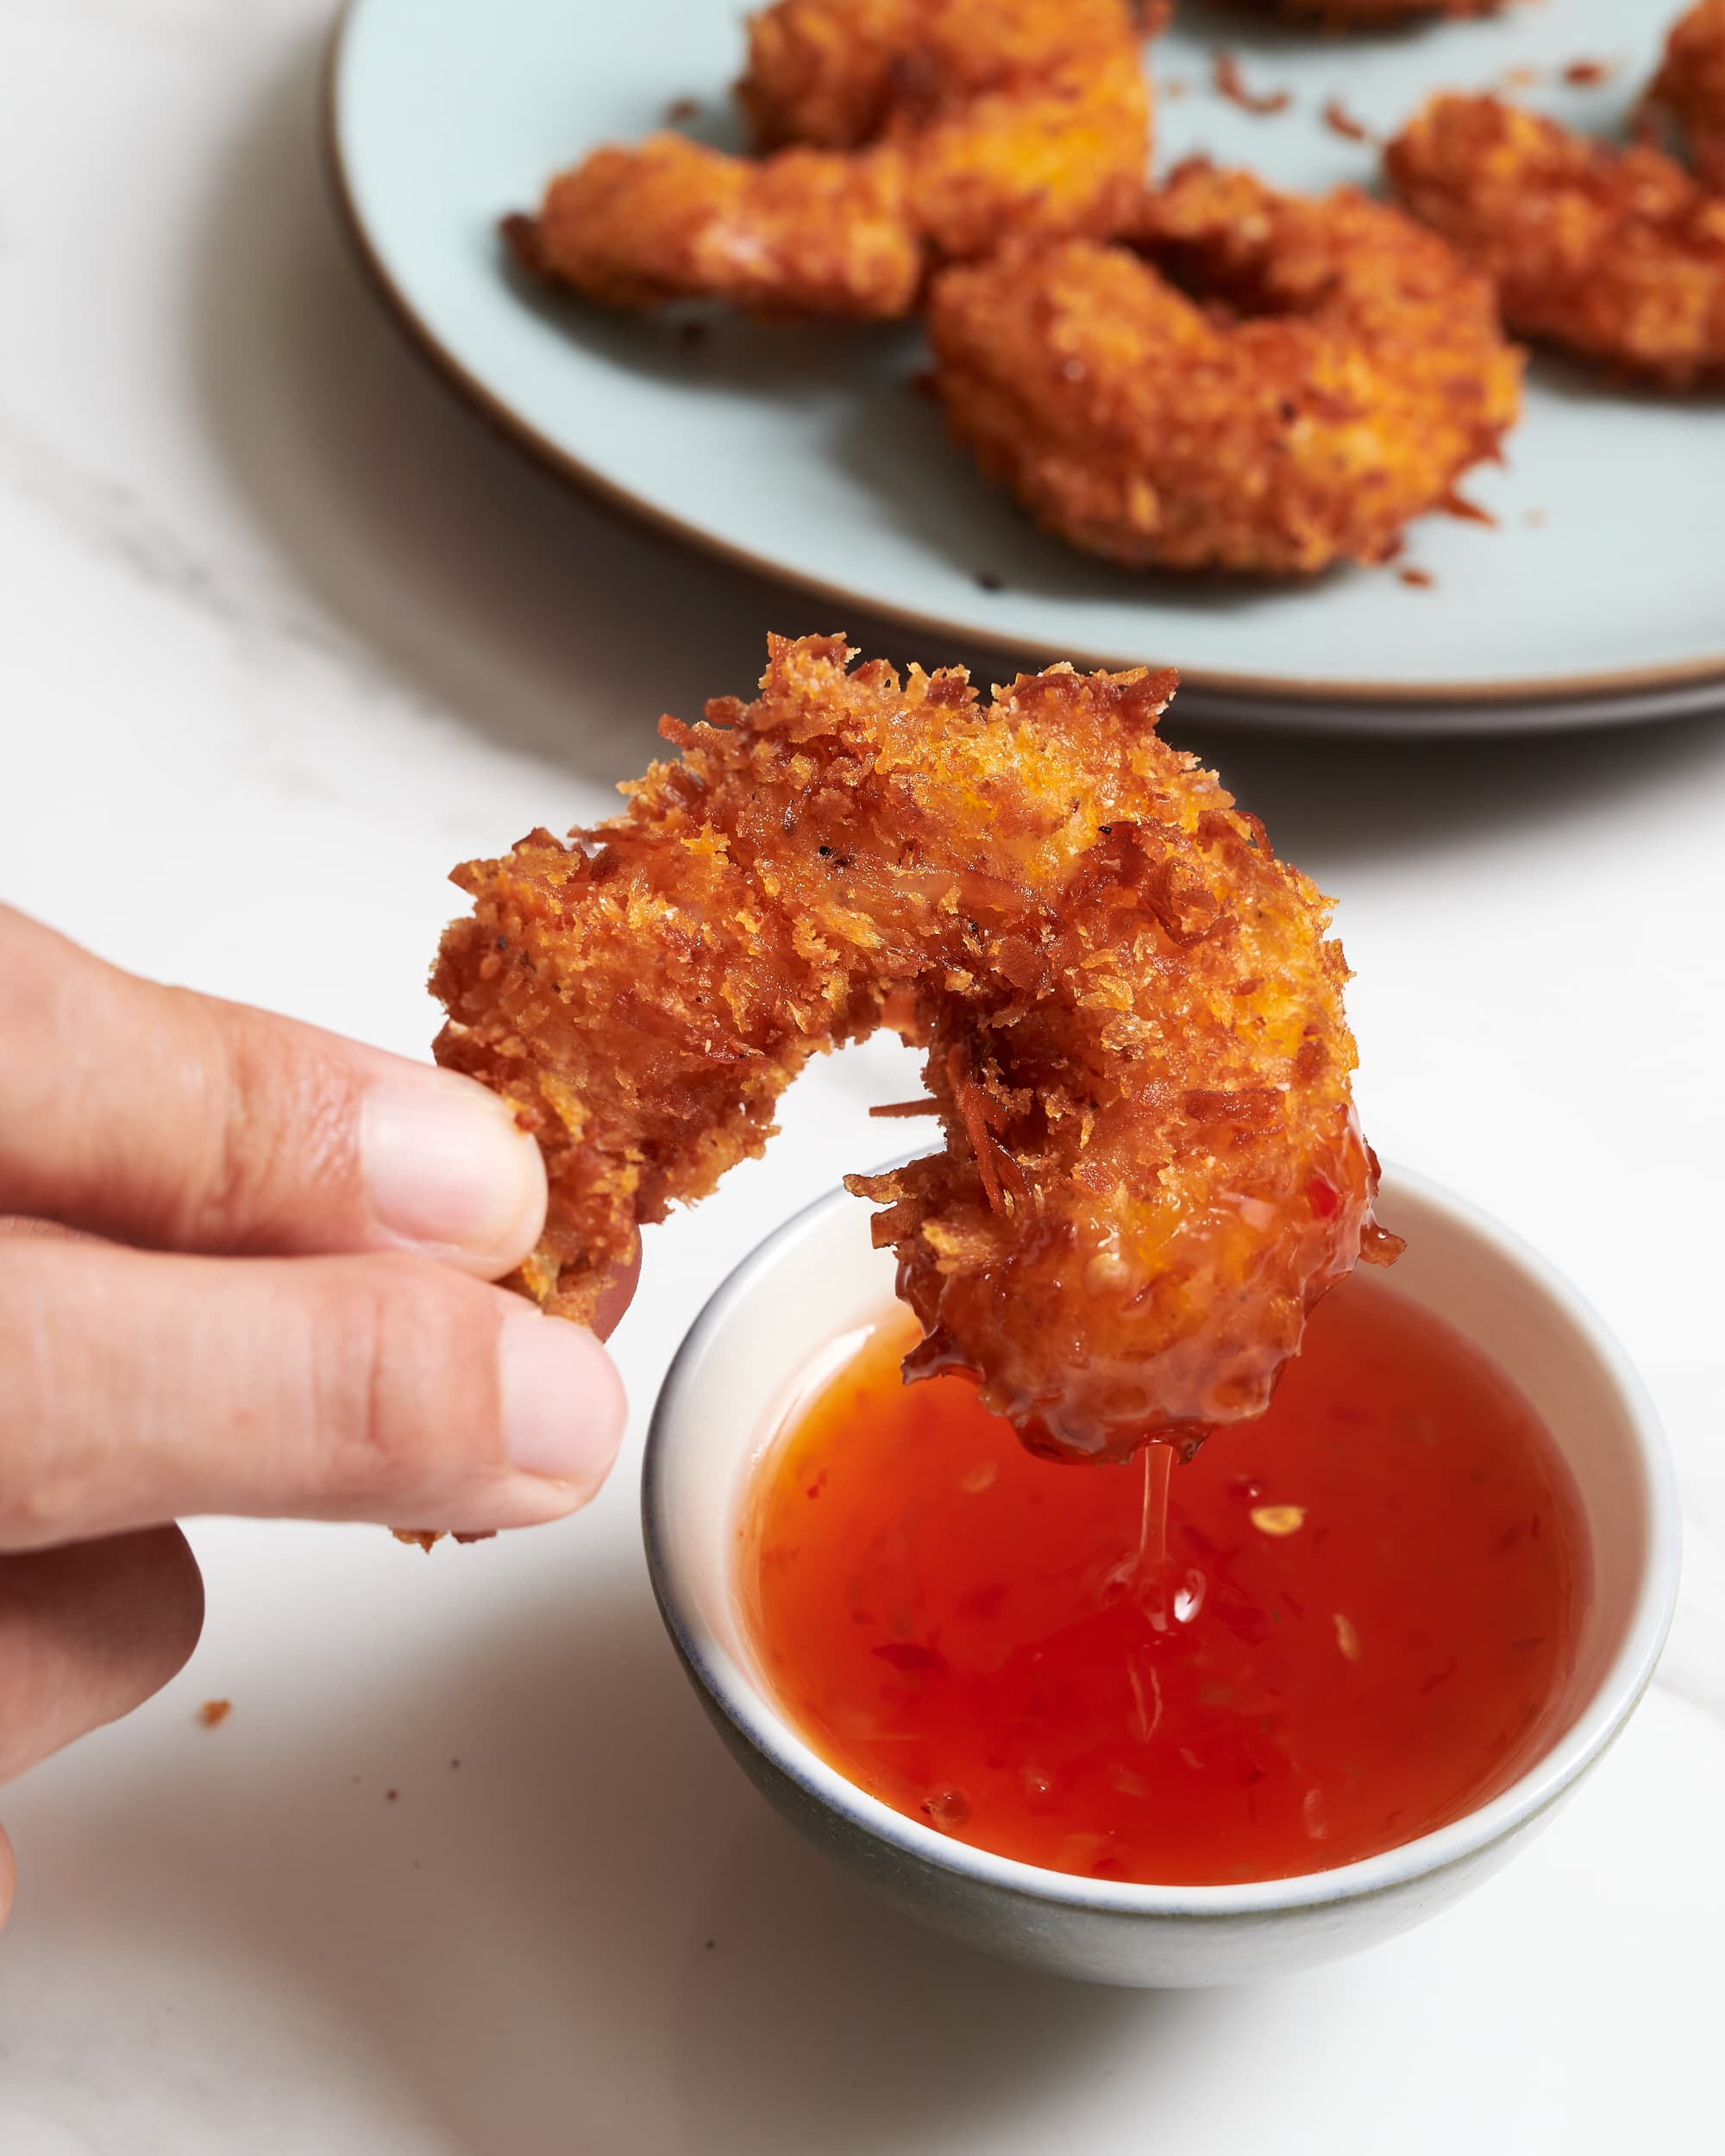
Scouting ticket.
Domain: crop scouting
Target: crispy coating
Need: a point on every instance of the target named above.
(1340, 372)
(842, 74)
(1691, 86)
(1615, 256)
(808, 232)
(917, 131)
(1133, 1021)
(1065, 158)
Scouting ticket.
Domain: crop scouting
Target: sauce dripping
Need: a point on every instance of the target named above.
(1333, 1630)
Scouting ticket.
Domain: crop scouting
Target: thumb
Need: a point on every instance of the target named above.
(141, 1388)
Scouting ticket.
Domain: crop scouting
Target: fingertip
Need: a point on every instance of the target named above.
(148, 1593)
(178, 1622)
(564, 1409)
(89, 1630)
(449, 1173)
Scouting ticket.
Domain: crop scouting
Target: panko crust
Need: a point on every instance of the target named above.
(1691, 86)
(1133, 1019)
(806, 233)
(1615, 256)
(898, 133)
(1338, 373)
(841, 72)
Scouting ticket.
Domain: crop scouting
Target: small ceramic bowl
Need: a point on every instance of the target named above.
(794, 1306)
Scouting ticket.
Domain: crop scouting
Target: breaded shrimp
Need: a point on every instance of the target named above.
(808, 232)
(840, 73)
(1615, 256)
(1133, 1021)
(1691, 86)
(924, 130)
(1339, 372)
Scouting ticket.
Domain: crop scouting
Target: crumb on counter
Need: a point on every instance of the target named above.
(214, 1712)
(1421, 579)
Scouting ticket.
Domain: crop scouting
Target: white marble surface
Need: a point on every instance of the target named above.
(286, 632)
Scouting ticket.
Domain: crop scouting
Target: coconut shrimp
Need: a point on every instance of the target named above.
(1615, 256)
(1130, 1010)
(895, 133)
(1690, 87)
(1336, 372)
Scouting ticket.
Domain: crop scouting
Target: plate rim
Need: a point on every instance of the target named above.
(1429, 699)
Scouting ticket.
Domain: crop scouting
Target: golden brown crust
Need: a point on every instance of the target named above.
(1339, 372)
(1691, 86)
(1133, 1022)
(900, 133)
(806, 233)
(841, 72)
(1615, 256)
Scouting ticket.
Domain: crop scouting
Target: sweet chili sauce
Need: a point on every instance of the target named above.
(1365, 1613)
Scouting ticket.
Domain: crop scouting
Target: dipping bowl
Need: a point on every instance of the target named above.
(794, 1307)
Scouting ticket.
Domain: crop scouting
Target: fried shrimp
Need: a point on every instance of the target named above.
(1616, 255)
(805, 233)
(1133, 1024)
(1691, 86)
(898, 134)
(1340, 372)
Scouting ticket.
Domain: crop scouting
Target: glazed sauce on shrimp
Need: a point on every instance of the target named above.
(1351, 1624)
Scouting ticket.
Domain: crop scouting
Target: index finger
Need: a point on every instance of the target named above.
(174, 1121)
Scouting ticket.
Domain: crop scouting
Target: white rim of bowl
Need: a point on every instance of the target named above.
(743, 1702)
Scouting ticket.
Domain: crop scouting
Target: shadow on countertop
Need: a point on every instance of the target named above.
(573, 1927)
(558, 627)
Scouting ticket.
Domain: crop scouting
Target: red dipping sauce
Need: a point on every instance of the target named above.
(1367, 1612)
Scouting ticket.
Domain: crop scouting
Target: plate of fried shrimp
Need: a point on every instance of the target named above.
(1364, 362)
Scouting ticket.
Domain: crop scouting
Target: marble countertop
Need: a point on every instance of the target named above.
(287, 632)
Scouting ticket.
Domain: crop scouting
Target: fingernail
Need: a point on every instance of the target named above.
(449, 1171)
(563, 1409)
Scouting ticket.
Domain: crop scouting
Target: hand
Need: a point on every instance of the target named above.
(246, 1271)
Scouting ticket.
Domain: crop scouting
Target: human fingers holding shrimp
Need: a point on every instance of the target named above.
(245, 1267)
